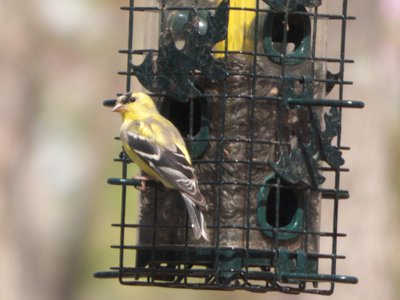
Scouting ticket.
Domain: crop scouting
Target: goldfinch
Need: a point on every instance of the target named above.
(157, 147)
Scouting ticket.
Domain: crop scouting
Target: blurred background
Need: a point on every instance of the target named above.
(58, 61)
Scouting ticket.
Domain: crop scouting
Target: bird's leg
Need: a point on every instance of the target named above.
(226, 152)
(143, 180)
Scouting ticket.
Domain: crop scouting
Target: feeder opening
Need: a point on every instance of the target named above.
(296, 30)
(288, 205)
(179, 114)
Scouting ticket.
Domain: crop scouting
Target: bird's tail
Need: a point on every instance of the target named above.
(196, 218)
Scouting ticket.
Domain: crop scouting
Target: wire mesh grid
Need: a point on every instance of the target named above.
(265, 141)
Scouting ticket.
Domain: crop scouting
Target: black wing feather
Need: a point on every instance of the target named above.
(170, 164)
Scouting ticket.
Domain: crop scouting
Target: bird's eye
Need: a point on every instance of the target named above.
(131, 99)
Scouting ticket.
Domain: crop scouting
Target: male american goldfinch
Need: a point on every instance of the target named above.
(158, 148)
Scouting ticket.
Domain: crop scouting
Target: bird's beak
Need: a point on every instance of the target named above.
(119, 107)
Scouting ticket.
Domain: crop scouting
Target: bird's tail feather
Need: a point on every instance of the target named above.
(196, 218)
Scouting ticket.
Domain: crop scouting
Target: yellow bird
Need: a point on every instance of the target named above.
(158, 148)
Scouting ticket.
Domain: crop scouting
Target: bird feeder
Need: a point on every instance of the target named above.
(248, 84)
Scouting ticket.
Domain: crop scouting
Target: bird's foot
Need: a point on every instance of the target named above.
(143, 180)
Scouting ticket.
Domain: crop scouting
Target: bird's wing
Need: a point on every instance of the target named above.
(168, 161)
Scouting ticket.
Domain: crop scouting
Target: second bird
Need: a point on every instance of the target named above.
(158, 148)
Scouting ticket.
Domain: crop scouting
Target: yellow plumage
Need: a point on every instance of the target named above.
(158, 148)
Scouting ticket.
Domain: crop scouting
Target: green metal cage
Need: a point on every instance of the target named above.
(249, 86)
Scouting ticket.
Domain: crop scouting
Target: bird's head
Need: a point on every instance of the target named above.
(134, 105)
